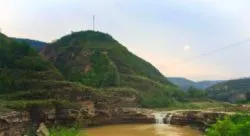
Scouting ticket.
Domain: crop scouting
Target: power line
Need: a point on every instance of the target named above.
(215, 51)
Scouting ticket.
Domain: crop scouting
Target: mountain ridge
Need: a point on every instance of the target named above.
(36, 44)
(185, 84)
(232, 90)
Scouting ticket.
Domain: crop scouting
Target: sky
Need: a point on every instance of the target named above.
(167, 33)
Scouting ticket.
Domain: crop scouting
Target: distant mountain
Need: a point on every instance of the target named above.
(231, 90)
(184, 83)
(206, 84)
(37, 45)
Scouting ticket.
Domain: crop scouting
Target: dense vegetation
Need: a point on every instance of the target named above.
(19, 62)
(236, 125)
(26, 79)
(193, 93)
(232, 90)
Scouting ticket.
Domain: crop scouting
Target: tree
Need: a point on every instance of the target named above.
(196, 93)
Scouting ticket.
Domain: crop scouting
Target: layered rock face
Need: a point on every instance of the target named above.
(14, 123)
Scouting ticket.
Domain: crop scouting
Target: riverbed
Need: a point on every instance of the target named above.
(141, 130)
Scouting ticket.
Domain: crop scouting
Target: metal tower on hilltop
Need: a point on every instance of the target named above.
(93, 22)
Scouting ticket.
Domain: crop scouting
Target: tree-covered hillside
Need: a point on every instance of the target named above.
(232, 90)
(26, 79)
(96, 59)
(20, 63)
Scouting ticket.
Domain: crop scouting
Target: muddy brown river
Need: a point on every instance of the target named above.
(142, 130)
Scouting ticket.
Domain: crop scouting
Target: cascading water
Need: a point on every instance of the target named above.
(169, 118)
(159, 120)
(159, 117)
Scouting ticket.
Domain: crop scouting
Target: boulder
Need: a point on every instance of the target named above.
(42, 130)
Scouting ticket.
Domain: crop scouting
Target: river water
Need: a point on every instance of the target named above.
(141, 130)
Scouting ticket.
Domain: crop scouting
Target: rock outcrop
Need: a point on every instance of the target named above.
(13, 123)
(199, 118)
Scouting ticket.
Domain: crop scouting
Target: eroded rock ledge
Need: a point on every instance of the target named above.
(200, 118)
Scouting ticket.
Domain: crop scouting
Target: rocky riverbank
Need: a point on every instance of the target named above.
(15, 123)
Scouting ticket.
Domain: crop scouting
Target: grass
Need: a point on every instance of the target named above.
(63, 131)
(26, 104)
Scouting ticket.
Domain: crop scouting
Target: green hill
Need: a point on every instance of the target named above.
(96, 59)
(231, 90)
(19, 62)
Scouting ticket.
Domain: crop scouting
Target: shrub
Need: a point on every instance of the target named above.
(64, 131)
(236, 125)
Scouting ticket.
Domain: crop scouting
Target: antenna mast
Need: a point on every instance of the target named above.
(93, 22)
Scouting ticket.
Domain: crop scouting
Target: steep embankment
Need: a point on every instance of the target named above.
(96, 59)
(233, 90)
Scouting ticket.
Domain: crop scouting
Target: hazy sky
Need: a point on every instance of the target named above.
(164, 32)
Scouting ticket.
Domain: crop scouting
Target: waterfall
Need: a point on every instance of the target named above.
(159, 117)
(169, 118)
